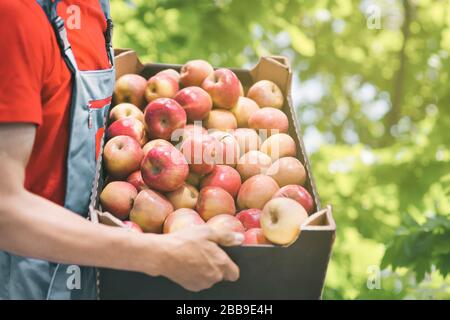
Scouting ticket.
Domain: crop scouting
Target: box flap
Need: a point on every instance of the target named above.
(126, 61)
(321, 220)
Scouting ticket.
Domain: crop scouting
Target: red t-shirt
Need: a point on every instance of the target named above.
(35, 83)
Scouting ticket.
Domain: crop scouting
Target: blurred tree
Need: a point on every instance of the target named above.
(372, 88)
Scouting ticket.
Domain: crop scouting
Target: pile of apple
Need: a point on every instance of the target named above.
(188, 148)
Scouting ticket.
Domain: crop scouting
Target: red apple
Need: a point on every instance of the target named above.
(255, 236)
(164, 116)
(136, 180)
(221, 120)
(181, 219)
(171, 73)
(130, 88)
(184, 197)
(224, 177)
(155, 143)
(194, 72)
(213, 201)
(287, 170)
(125, 110)
(122, 156)
(223, 87)
(279, 146)
(189, 130)
(256, 192)
(195, 101)
(271, 120)
(253, 163)
(266, 94)
(150, 210)
(225, 222)
(243, 110)
(164, 169)
(117, 198)
(227, 151)
(132, 226)
(297, 193)
(161, 86)
(199, 151)
(250, 218)
(131, 127)
(241, 89)
(248, 139)
(281, 220)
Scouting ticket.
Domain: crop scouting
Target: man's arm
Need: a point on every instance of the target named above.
(33, 226)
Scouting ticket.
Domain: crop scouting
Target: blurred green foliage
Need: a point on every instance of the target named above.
(372, 87)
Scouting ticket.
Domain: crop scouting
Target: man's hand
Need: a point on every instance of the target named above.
(193, 258)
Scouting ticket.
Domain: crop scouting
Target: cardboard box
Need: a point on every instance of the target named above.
(267, 272)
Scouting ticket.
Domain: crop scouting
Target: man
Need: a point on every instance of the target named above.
(44, 77)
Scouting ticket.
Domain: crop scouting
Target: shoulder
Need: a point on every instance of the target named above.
(23, 14)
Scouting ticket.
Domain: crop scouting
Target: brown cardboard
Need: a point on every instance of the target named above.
(267, 272)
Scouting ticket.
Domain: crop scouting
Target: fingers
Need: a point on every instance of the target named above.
(226, 238)
(230, 271)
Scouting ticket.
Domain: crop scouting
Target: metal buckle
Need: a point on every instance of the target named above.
(61, 32)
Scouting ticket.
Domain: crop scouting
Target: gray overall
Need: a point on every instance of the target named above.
(25, 278)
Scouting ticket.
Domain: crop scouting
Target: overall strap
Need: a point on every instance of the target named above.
(109, 29)
(57, 23)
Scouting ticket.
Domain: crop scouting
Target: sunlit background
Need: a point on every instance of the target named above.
(371, 82)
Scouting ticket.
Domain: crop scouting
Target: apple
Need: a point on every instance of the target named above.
(188, 131)
(171, 73)
(255, 236)
(221, 120)
(266, 94)
(136, 180)
(117, 198)
(150, 210)
(125, 110)
(155, 143)
(195, 101)
(199, 151)
(248, 139)
(130, 88)
(281, 220)
(164, 116)
(194, 179)
(194, 72)
(279, 146)
(256, 192)
(253, 163)
(297, 193)
(164, 169)
(271, 120)
(132, 226)
(184, 197)
(181, 219)
(122, 156)
(225, 222)
(227, 151)
(223, 87)
(244, 108)
(161, 86)
(250, 218)
(287, 170)
(131, 127)
(224, 177)
(241, 89)
(213, 201)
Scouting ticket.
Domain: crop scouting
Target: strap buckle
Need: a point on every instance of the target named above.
(61, 33)
(109, 32)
